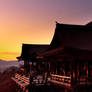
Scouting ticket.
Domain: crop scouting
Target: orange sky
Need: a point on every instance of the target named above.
(33, 21)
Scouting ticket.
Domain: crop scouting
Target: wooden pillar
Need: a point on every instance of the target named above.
(71, 73)
(25, 65)
(56, 68)
(28, 66)
(87, 69)
(77, 70)
(65, 68)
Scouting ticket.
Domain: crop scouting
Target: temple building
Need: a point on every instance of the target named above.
(70, 55)
(29, 54)
(68, 58)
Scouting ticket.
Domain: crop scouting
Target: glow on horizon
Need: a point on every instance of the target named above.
(33, 21)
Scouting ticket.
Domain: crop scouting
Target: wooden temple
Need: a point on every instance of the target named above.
(35, 69)
(70, 55)
(68, 58)
(29, 54)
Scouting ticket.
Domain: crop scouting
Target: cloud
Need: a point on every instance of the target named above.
(7, 64)
(10, 53)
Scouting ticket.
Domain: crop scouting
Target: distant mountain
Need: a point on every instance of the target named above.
(7, 64)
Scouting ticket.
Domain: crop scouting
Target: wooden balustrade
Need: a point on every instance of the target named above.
(84, 81)
(22, 81)
(22, 78)
(61, 80)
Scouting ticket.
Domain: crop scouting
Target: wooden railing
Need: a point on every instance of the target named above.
(84, 81)
(22, 78)
(61, 80)
(22, 81)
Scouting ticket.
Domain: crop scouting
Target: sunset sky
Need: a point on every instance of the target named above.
(33, 21)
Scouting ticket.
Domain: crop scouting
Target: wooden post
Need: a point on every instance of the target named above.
(77, 70)
(87, 69)
(71, 73)
(25, 66)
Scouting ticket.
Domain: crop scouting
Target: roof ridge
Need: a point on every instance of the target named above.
(35, 44)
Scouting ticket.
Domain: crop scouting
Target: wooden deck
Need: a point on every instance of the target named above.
(56, 80)
(22, 81)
